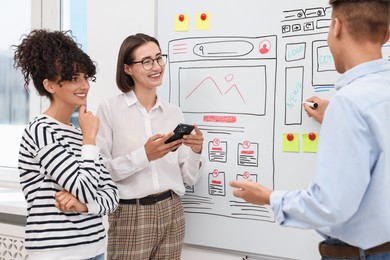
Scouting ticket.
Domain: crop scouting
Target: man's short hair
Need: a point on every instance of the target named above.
(364, 19)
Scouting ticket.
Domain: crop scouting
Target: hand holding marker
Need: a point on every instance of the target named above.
(313, 105)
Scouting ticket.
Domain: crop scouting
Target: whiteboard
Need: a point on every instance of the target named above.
(241, 75)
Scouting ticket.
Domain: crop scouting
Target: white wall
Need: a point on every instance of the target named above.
(109, 23)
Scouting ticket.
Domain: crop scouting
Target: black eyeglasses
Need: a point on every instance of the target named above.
(148, 63)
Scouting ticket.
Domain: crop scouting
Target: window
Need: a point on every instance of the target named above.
(17, 105)
(74, 18)
(14, 99)
(15, 20)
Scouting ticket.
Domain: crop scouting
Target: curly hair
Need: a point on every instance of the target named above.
(51, 55)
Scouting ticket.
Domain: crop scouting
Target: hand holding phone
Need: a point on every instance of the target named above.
(179, 132)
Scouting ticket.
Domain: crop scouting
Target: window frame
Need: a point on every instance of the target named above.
(44, 14)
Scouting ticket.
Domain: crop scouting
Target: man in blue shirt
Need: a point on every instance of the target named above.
(348, 201)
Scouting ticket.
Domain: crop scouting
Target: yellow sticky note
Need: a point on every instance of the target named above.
(202, 21)
(309, 142)
(181, 23)
(290, 143)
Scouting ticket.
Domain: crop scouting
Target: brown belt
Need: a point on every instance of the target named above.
(347, 251)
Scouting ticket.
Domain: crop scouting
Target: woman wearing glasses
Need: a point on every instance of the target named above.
(149, 222)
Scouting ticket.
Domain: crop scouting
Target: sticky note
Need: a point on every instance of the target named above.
(309, 143)
(290, 143)
(181, 22)
(202, 21)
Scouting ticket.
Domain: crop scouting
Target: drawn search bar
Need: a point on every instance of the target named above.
(223, 48)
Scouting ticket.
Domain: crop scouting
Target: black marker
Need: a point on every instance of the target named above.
(311, 104)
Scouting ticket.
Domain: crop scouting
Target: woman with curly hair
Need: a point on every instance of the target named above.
(64, 181)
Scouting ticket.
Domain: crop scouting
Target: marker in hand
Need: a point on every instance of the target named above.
(311, 104)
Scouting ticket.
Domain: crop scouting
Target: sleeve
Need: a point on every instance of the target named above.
(107, 198)
(343, 172)
(123, 166)
(81, 176)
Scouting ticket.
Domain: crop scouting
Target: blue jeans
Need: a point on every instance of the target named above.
(99, 257)
(381, 256)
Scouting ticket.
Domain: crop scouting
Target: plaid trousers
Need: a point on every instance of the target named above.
(145, 232)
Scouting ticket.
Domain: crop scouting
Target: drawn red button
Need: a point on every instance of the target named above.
(203, 16)
(181, 18)
(216, 142)
(246, 144)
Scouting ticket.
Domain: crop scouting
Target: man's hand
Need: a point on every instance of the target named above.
(318, 112)
(251, 192)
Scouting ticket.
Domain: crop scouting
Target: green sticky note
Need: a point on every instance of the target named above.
(309, 142)
(290, 144)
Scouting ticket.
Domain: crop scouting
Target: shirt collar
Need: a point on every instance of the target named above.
(131, 99)
(360, 71)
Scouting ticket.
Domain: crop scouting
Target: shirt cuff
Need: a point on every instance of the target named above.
(93, 208)
(140, 158)
(195, 156)
(89, 151)
(276, 200)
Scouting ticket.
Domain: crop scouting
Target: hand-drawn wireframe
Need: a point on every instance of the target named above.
(228, 78)
(222, 84)
(293, 95)
(247, 176)
(217, 183)
(324, 72)
(306, 24)
(217, 151)
(248, 154)
(295, 51)
(247, 93)
(212, 75)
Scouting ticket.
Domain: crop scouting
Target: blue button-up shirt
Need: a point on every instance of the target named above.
(349, 197)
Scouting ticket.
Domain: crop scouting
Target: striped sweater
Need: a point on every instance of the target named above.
(52, 158)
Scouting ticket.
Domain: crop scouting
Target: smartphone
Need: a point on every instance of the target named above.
(180, 130)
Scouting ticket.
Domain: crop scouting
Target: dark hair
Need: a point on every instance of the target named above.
(51, 55)
(125, 56)
(364, 19)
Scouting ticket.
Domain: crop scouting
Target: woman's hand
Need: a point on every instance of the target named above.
(194, 140)
(89, 125)
(66, 202)
(156, 147)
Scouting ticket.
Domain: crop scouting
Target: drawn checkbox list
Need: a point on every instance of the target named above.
(218, 151)
(217, 183)
(248, 154)
(246, 176)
